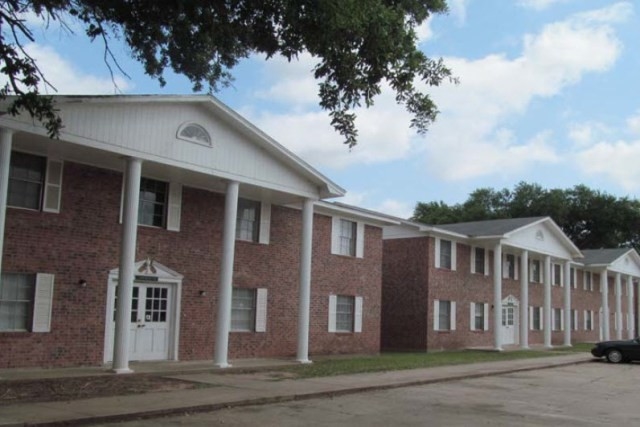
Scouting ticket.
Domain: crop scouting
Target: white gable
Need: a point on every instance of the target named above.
(151, 268)
(542, 237)
(627, 264)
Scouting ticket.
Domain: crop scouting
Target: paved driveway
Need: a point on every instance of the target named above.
(586, 394)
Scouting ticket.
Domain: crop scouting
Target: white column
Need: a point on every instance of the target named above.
(631, 319)
(305, 282)
(568, 319)
(604, 288)
(497, 296)
(547, 302)
(618, 317)
(127, 265)
(6, 140)
(225, 289)
(524, 300)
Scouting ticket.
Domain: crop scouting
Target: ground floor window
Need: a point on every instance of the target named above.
(345, 313)
(16, 301)
(536, 318)
(444, 316)
(574, 320)
(479, 316)
(588, 320)
(243, 309)
(557, 319)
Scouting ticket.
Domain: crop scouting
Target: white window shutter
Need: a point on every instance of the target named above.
(592, 316)
(505, 267)
(175, 206)
(516, 267)
(530, 318)
(473, 261)
(453, 316)
(541, 311)
(333, 305)
(562, 320)
(472, 316)
(553, 318)
(357, 321)
(575, 320)
(264, 233)
(486, 316)
(124, 175)
(359, 240)
(437, 252)
(261, 310)
(436, 315)
(53, 187)
(584, 280)
(486, 262)
(42, 303)
(584, 313)
(335, 235)
(454, 256)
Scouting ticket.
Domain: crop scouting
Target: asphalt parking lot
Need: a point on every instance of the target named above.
(586, 394)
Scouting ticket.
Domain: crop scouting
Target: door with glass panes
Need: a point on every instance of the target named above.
(150, 322)
(508, 324)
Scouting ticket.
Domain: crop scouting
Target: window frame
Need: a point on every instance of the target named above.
(445, 257)
(480, 261)
(557, 319)
(537, 318)
(144, 202)
(27, 303)
(536, 271)
(450, 320)
(242, 233)
(343, 301)
(15, 156)
(236, 297)
(556, 275)
(347, 231)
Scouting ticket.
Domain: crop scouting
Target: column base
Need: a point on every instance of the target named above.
(548, 346)
(304, 361)
(499, 349)
(122, 371)
(525, 347)
(567, 345)
(223, 365)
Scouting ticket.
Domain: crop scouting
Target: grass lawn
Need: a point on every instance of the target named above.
(398, 361)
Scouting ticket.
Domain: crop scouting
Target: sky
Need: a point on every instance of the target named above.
(548, 93)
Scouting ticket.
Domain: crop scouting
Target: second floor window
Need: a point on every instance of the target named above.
(26, 181)
(347, 237)
(152, 209)
(248, 220)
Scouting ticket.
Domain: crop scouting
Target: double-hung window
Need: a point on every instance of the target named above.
(445, 255)
(510, 267)
(249, 310)
(535, 271)
(479, 316)
(152, 209)
(35, 182)
(345, 313)
(557, 275)
(588, 281)
(535, 318)
(444, 315)
(479, 261)
(347, 237)
(248, 220)
(25, 302)
(557, 319)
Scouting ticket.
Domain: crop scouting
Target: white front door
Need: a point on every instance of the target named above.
(151, 311)
(508, 324)
(149, 336)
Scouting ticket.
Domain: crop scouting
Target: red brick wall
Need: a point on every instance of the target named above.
(83, 241)
(405, 305)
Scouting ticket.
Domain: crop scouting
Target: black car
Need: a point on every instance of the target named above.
(618, 351)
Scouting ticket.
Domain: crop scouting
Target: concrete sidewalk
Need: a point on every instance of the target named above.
(241, 389)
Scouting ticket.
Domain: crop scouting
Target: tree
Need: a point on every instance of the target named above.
(359, 44)
(591, 219)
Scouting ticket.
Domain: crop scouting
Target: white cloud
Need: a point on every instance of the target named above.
(469, 139)
(587, 133)
(458, 9)
(539, 4)
(633, 123)
(424, 31)
(395, 208)
(291, 82)
(617, 161)
(66, 78)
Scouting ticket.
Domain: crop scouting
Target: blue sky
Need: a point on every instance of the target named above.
(548, 94)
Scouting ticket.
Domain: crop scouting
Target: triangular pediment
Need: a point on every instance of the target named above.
(543, 237)
(151, 269)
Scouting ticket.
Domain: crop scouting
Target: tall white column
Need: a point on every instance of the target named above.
(631, 323)
(547, 302)
(127, 265)
(618, 316)
(6, 140)
(305, 282)
(524, 300)
(497, 296)
(567, 304)
(225, 289)
(604, 288)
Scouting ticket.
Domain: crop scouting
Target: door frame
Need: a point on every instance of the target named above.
(148, 272)
(512, 301)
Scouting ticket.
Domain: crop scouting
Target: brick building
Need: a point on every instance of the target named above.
(452, 286)
(215, 237)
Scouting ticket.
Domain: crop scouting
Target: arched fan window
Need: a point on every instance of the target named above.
(194, 133)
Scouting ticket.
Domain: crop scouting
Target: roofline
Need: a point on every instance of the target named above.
(329, 189)
(357, 211)
(577, 253)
